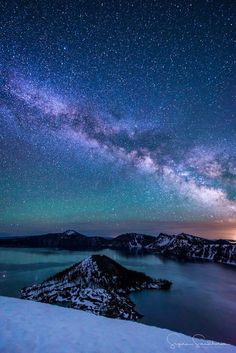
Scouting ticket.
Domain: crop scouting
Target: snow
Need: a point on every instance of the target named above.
(70, 232)
(34, 327)
(163, 240)
(135, 242)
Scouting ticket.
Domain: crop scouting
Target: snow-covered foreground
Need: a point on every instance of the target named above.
(30, 327)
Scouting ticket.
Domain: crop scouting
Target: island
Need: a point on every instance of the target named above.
(97, 284)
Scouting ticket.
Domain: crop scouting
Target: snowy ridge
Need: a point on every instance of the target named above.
(189, 247)
(37, 327)
(97, 284)
(182, 246)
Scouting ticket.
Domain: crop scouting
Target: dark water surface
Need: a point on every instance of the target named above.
(202, 299)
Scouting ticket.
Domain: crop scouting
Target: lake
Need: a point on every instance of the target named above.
(202, 299)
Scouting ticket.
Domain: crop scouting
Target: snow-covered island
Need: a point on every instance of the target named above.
(32, 327)
(97, 284)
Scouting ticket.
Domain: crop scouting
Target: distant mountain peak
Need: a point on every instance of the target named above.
(70, 232)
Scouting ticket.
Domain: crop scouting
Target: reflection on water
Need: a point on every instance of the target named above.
(202, 299)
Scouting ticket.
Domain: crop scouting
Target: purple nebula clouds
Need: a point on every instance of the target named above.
(193, 173)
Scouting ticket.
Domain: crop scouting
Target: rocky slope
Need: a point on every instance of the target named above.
(97, 284)
(181, 246)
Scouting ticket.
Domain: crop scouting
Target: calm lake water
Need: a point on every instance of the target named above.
(202, 299)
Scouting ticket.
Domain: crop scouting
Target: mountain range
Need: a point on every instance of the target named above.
(182, 246)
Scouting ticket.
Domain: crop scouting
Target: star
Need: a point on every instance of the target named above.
(117, 111)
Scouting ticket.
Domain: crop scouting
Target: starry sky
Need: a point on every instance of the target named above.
(118, 116)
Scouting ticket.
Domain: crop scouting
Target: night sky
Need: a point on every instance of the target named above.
(118, 116)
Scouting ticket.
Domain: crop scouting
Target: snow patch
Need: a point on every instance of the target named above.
(36, 327)
(70, 232)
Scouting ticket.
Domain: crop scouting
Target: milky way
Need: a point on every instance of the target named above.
(118, 116)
